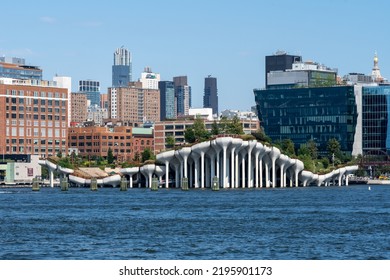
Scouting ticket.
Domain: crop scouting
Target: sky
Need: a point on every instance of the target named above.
(226, 39)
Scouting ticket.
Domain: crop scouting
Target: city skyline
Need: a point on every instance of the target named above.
(229, 41)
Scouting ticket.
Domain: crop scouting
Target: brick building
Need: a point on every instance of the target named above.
(79, 105)
(96, 141)
(134, 105)
(33, 117)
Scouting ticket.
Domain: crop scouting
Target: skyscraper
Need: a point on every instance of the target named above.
(167, 100)
(210, 98)
(121, 70)
(182, 95)
(92, 90)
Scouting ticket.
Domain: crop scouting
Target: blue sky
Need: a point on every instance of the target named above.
(227, 39)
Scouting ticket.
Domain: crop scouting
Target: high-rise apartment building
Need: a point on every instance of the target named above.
(182, 95)
(134, 105)
(33, 117)
(121, 70)
(210, 98)
(15, 68)
(167, 100)
(79, 106)
(92, 90)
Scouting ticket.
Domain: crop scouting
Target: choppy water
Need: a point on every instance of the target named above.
(299, 223)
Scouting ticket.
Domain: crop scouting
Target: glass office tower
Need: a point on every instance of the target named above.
(376, 126)
(301, 114)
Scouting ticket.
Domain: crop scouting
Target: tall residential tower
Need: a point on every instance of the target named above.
(121, 70)
(182, 95)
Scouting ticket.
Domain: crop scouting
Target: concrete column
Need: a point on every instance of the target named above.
(51, 177)
(274, 155)
(167, 174)
(224, 142)
(251, 146)
(196, 157)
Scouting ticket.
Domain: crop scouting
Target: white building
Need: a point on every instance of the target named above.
(97, 114)
(204, 113)
(149, 79)
(65, 82)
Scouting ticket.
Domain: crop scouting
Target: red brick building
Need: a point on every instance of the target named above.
(33, 117)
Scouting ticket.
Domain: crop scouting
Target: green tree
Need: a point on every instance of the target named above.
(189, 135)
(200, 131)
(288, 147)
(170, 142)
(312, 147)
(234, 126)
(215, 128)
(146, 155)
(59, 154)
(110, 156)
(197, 132)
(333, 147)
(223, 125)
(261, 136)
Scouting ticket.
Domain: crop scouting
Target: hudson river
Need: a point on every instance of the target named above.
(291, 223)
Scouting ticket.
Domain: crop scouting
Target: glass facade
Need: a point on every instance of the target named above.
(376, 127)
(301, 114)
(167, 100)
(20, 72)
(92, 90)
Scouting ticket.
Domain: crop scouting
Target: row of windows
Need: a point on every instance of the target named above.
(42, 102)
(122, 151)
(35, 117)
(112, 144)
(43, 151)
(36, 142)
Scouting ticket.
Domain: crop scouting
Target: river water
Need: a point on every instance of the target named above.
(291, 223)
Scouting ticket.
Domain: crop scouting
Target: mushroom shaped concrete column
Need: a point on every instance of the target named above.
(341, 174)
(349, 170)
(297, 167)
(274, 155)
(201, 149)
(52, 167)
(282, 161)
(185, 153)
(267, 166)
(224, 142)
(244, 145)
(306, 177)
(175, 162)
(243, 153)
(217, 149)
(130, 172)
(259, 153)
(148, 170)
(165, 158)
(159, 171)
(195, 158)
(251, 146)
(236, 143)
